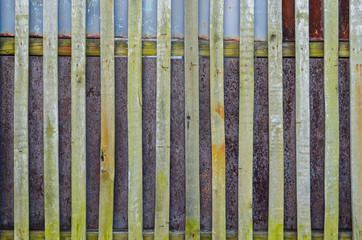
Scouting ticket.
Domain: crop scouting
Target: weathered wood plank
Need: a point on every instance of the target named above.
(21, 141)
(78, 118)
(163, 107)
(331, 166)
(302, 119)
(231, 49)
(107, 154)
(134, 108)
(246, 120)
(355, 34)
(149, 235)
(217, 119)
(50, 118)
(276, 140)
(192, 230)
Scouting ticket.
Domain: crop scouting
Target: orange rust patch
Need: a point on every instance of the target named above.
(220, 110)
(218, 161)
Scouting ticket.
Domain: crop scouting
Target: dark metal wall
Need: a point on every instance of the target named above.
(177, 210)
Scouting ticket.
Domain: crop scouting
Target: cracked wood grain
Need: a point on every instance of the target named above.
(134, 109)
(246, 112)
(355, 64)
(21, 141)
(331, 165)
(276, 139)
(78, 119)
(163, 107)
(302, 119)
(107, 148)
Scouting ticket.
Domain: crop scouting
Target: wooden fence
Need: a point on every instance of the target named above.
(50, 47)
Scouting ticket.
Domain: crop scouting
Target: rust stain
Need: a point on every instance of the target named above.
(93, 36)
(288, 20)
(218, 158)
(220, 110)
(6, 34)
(316, 20)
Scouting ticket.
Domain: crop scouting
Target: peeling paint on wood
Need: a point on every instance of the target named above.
(78, 119)
(331, 164)
(134, 109)
(21, 141)
(246, 121)
(50, 120)
(192, 121)
(276, 139)
(163, 105)
(217, 119)
(302, 119)
(107, 148)
(356, 115)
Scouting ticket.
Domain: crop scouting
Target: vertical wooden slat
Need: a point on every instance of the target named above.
(302, 118)
(78, 88)
(21, 143)
(50, 118)
(163, 105)
(192, 230)
(276, 140)
(217, 119)
(246, 112)
(134, 101)
(107, 154)
(356, 114)
(331, 171)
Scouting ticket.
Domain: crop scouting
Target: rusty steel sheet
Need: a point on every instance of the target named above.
(177, 207)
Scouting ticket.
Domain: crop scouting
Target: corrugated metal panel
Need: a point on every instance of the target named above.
(7, 17)
(260, 20)
(231, 19)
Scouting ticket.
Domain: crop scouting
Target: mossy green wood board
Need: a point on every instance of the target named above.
(276, 140)
(192, 230)
(50, 119)
(134, 109)
(217, 119)
(231, 49)
(246, 112)
(331, 170)
(78, 119)
(21, 141)
(163, 107)
(355, 20)
(107, 148)
(302, 119)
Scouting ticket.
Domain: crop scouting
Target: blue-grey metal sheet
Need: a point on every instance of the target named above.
(231, 19)
(7, 17)
(149, 19)
(121, 18)
(204, 19)
(260, 20)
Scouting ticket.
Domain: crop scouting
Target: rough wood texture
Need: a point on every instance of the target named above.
(21, 142)
(217, 119)
(276, 140)
(107, 149)
(134, 108)
(331, 170)
(50, 119)
(149, 235)
(78, 115)
(163, 104)
(246, 121)
(356, 115)
(302, 119)
(192, 121)
(231, 49)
